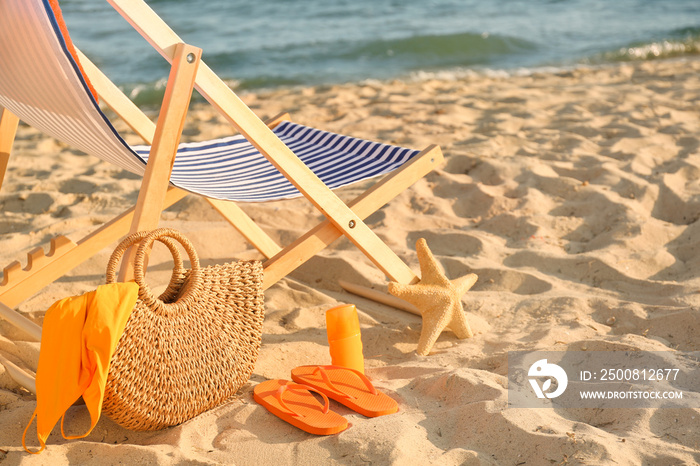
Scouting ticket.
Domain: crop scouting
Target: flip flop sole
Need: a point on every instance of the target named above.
(298, 407)
(354, 392)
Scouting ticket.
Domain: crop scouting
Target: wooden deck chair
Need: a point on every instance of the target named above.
(46, 82)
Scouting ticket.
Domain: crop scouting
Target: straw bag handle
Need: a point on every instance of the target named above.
(176, 278)
(191, 288)
(115, 259)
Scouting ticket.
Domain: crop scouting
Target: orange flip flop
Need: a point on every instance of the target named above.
(346, 386)
(295, 404)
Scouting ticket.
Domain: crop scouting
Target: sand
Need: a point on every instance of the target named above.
(574, 195)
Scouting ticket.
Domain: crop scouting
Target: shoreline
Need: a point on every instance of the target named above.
(418, 76)
(574, 196)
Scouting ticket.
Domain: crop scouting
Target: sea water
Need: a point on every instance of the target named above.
(271, 43)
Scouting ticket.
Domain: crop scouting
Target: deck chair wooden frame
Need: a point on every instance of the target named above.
(188, 72)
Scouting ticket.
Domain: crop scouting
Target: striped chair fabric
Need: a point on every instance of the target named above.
(41, 83)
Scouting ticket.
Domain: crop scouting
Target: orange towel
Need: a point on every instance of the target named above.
(78, 339)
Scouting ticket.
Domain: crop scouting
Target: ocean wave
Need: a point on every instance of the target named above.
(679, 43)
(320, 62)
(464, 48)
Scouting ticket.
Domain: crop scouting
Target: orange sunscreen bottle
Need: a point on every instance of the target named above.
(343, 328)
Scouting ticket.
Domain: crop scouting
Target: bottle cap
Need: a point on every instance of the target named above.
(342, 322)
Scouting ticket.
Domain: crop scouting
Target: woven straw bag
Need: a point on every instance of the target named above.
(190, 349)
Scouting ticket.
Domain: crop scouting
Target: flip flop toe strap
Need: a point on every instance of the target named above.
(298, 387)
(322, 370)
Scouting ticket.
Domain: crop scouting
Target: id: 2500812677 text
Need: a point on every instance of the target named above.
(615, 375)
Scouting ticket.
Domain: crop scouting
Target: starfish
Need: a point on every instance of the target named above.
(438, 298)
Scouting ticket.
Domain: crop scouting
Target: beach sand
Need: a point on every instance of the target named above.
(574, 195)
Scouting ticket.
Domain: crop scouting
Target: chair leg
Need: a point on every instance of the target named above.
(166, 139)
(8, 130)
(363, 206)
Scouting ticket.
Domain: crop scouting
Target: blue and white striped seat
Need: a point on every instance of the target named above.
(232, 169)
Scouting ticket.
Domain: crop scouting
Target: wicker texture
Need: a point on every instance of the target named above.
(189, 349)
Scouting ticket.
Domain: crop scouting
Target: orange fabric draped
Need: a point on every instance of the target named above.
(78, 339)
